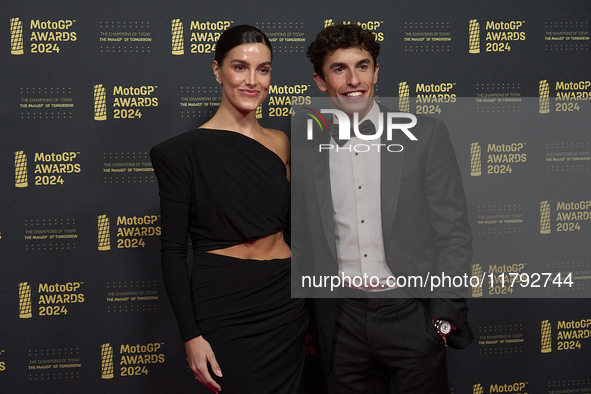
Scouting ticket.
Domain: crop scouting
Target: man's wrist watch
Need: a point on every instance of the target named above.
(443, 327)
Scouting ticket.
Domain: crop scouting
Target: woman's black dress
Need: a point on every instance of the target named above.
(224, 189)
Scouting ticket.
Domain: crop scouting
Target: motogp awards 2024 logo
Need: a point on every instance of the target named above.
(46, 36)
(129, 102)
(500, 36)
(203, 36)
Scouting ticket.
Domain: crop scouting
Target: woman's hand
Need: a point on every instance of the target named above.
(199, 353)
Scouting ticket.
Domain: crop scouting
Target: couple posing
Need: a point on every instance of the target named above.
(227, 185)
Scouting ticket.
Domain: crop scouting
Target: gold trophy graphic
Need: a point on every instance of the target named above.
(477, 271)
(259, 112)
(328, 22)
(24, 301)
(475, 159)
(403, 94)
(178, 47)
(16, 37)
(100, 102)
(477, 389)
(107, 361)
(104, 239)
(544, 101)
(474, 32)
(20, 169)
(546, 336)
(544, 217)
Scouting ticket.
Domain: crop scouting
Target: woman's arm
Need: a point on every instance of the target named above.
(175, 209)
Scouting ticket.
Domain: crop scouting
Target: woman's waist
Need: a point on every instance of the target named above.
(229, 290)
(223, 274)
(269, 247)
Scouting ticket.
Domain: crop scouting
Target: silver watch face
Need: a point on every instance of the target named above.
(445, 327)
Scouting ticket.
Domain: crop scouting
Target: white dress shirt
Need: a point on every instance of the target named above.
(355, 187)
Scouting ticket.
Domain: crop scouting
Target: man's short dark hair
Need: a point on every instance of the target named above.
(341, 37)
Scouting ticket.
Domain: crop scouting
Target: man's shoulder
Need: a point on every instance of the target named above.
(422, 120)
(424, 129)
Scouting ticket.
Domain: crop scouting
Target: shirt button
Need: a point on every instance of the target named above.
(356, 154)
(362, 221)
(365, 255)
(359, 187)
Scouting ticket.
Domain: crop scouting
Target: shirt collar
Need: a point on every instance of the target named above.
(373, 116)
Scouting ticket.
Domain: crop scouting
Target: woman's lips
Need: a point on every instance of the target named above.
(249, 93)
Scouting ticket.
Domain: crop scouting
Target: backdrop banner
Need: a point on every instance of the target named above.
(89, 87)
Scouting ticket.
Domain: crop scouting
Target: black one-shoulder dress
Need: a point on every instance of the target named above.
(223, 189)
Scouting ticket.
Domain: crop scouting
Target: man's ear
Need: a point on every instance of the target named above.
(320, 82)
(375, 73)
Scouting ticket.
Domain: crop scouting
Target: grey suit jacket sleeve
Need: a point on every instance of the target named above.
(446, 201)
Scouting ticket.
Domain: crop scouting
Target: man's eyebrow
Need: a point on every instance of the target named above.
(342, 64)
(335, 65)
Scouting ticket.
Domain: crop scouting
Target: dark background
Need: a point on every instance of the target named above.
(70, 343)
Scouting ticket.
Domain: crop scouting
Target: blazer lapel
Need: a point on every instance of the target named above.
(390, 175)
(321, 173)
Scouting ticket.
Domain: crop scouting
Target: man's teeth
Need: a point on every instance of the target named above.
(354, 94)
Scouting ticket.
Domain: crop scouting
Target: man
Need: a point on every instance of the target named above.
(386, 214)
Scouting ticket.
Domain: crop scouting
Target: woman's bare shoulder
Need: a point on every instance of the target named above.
(278, 142)
(278, 137)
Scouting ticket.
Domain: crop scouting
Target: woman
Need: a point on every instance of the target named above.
(227, 185)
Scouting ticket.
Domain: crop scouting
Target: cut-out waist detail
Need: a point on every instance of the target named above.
(270, 247)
